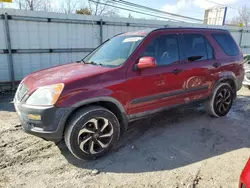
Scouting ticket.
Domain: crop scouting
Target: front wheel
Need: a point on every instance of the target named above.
(221, 100)
(91, 132)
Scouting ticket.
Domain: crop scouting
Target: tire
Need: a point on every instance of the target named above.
(91, 132)
(221, 100)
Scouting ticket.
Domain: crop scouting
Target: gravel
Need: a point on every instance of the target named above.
(182, 147)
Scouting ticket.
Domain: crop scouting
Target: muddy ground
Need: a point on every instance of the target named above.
(183, 147)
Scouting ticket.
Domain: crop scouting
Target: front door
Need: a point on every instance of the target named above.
(151, 88)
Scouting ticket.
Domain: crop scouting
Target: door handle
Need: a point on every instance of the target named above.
(216, 65)
(177, 71)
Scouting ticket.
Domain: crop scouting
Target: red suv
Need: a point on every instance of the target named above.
(130, 76)
(245, 176)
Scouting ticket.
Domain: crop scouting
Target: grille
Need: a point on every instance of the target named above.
(247, 74)
(22, 91)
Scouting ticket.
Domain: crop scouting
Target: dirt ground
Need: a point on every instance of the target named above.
(183, 147)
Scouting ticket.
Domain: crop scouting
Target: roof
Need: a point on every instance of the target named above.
(138, 33)
(147, 31)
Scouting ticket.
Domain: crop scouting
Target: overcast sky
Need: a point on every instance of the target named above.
(191, 8)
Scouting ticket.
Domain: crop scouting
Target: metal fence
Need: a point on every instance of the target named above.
(32, 41)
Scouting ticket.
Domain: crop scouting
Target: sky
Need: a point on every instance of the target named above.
(194, 8)
(191, 8)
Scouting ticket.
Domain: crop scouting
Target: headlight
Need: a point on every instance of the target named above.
(47, 95)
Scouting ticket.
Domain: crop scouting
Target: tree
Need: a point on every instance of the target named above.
(101, 8)
(69, 6)
(235, 21)
(130, 15)
(29, 4)
(2, 5)
(244, 15)
(243, 18)
(84, 11)
(35, 5)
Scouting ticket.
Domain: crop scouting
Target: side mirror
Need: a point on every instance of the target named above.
(145, 62)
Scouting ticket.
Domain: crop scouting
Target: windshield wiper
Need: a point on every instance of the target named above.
(91, 62)
(81, 61)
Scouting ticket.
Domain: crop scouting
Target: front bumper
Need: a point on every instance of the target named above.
(45, 122)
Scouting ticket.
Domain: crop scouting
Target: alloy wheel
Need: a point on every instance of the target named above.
(95, 136)
(223, 100)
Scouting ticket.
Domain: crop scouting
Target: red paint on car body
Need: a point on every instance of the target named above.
(245, 176)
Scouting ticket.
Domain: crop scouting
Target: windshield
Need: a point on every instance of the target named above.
(115, 51)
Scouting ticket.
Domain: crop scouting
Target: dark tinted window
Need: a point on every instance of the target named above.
(164, 49)
(195, 45)
(226, 43)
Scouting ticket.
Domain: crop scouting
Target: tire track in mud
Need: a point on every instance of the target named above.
(27, 154)
(17, 147)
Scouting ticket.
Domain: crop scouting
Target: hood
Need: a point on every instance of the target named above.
(62, 74)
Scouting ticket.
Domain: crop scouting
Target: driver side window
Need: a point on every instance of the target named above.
(164, 49)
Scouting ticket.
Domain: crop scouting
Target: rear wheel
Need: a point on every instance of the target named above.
(91, 132)
(221, 100)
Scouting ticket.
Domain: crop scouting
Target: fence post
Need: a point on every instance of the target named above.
(101, 31)
(10, 57)
(241, 35)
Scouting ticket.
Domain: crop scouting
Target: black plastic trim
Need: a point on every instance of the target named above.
(145, 114)
(165, 95)
(106, 99)
(52, 123)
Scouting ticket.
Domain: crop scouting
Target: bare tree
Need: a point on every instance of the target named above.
(235, 21)
(2, 5)
(47, 6)
(242, 19)
(29, 4)
(244, 15)
(69, 6)
(101, 8)
(35, 5)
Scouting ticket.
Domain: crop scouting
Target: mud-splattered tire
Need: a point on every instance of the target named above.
(91, 132)
(220, 103)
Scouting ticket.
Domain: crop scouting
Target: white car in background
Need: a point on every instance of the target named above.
(246, 81)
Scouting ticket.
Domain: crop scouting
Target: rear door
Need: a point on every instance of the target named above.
(197, 57)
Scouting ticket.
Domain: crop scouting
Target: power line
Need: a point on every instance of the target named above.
(221, 4)
(171, 19)
(156, 14)
(155, 10)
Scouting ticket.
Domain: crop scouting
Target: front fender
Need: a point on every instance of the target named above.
(100, 99)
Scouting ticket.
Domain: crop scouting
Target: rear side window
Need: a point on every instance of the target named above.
(196, 45)
(226, 43)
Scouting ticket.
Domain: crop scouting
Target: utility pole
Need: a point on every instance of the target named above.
(225, 15)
